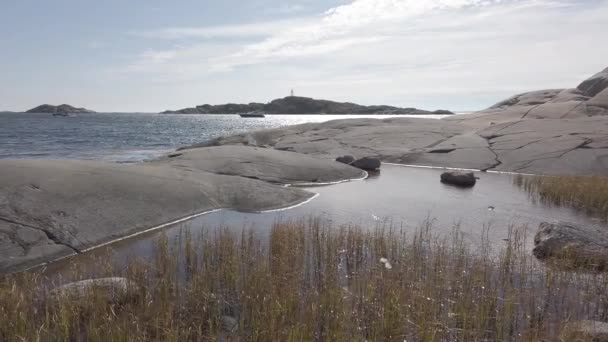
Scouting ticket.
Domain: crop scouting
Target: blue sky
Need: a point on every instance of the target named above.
(153, 55)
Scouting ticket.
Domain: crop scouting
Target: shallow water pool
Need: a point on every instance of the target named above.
(398, 196)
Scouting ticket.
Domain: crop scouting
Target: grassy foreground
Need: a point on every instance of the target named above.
(312, 282)
(586, 193)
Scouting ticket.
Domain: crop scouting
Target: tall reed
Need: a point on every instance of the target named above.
(586, 193)
(310, 281)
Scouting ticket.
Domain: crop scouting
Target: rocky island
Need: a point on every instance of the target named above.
(301, 105)
(64, 108)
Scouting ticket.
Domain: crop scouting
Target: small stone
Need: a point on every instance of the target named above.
(459, 178)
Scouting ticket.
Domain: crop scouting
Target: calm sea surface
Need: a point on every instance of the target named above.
(127, 137)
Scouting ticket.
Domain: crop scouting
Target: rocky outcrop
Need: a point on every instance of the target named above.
(595, 84)
(64, 108)
(459, 178)
(589, 99)
(53, 209)
(265, 164)
(572, 246)
(301, 105)
(548, 146)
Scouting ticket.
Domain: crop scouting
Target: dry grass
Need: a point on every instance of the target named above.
(586, 193)
(312, 282)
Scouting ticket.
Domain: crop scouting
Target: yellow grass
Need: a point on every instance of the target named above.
(586, 193)
(309, 281)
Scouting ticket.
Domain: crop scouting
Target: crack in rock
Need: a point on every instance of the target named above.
(443, 150)
(527, 163)
(50, 235)
(497, 163)
(531, 109)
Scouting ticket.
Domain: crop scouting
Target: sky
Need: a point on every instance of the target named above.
(153, 55)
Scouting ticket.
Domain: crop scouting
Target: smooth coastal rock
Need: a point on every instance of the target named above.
(574, 247)
(114, 290)
(265, 164)
(565, 146)
(589, 99)
(459, 178)
(51, 209)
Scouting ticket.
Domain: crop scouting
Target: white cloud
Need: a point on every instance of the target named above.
(397, 50)
(251, 30)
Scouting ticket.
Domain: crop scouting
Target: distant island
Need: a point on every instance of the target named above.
(301, 105)
(64, 108)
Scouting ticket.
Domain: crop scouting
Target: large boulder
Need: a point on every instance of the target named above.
(574, 247)
(459, 178)
(113, 290)
(367, 163)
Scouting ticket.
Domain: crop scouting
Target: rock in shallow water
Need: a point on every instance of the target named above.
(459, 178)
(367, 163)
